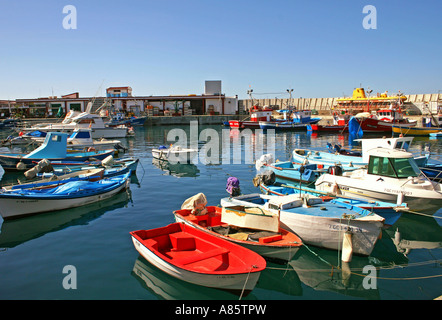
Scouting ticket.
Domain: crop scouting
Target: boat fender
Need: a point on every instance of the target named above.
(335, 188)
(21, 166)
(347, 247)
(108, 161)
(31, 173)
(346, 274)
(400, 198)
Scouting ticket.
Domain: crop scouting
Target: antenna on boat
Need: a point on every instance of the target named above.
(290, 101)
(249, 92)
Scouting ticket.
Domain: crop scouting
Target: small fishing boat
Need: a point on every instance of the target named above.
(432, 171)
(390, 211)
(382, 120)
(44, 183)
(75, 120)
(273, 243)
(19, 202)
(45, 170)
(320, 223)
(175, 154)
(293, 120)
(257, 114)
(120, 119)
(288, 170)
(14, 141)
(415, 131)
(354, 159)
(50, 180)
(281, 125)
(54, 148)
(327, 128)
(436, 134)
(392, 175)
(82, 138)
(303, 117)
(194, 256)
(65, 166)
(10, 123)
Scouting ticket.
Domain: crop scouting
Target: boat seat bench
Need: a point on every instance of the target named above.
(202, 256)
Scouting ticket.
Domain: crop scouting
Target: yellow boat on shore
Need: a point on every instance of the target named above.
(415, 131)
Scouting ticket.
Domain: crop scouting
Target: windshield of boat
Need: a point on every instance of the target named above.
(393, 167)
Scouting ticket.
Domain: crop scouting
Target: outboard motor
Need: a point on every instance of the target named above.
(232, 187)
(335, 170)
(268, 178)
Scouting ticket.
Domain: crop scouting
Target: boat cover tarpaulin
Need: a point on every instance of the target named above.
(70, 188)
(196, 203)
(354, 128)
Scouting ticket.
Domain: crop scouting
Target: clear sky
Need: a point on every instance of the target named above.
(319, 48)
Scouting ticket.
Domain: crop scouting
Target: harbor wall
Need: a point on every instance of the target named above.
(415, 103)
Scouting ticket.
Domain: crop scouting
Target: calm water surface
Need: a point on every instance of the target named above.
(95, 239)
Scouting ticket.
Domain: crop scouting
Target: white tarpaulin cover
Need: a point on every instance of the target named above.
(197, 204)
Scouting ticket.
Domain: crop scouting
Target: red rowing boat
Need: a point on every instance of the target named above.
(197, 257)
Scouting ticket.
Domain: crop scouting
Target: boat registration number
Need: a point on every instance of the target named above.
(407, 193)
(340, 227)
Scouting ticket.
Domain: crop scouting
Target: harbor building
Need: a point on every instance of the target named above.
(6, 107)
(211, 102)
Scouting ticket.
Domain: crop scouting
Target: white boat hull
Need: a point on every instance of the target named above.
(97, 133)
(231, 282)
(379, 188)
(327, 232)
(15, 207)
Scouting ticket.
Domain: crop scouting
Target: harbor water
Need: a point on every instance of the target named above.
(39, 254)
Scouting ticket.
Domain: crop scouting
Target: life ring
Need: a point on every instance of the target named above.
(91, 149)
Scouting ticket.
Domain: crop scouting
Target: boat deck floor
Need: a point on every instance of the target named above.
(184, 249)
(327, 210)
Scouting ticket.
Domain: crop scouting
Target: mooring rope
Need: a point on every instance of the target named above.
(245, 283)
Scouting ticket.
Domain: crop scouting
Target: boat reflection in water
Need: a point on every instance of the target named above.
(166, 287)
(177, 169)
(322, 270)
(18, 231)
(280, 278)
(414, 231)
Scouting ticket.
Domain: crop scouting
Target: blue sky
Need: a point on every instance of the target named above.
(317, 47)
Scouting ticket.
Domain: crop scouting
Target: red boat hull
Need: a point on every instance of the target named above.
(237, 124)
(375, 125)
(367, 125)
(330, 128)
